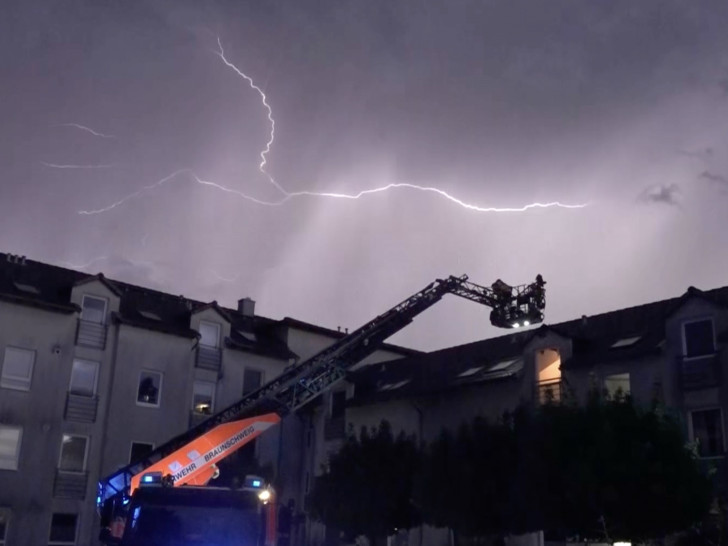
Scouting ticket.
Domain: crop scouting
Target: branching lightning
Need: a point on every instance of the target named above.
(286, 195)
(87, 129)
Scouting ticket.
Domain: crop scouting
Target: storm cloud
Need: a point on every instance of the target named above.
(499, 104)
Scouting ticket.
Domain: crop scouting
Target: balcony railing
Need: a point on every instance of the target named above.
(91, 334)
(81, 409)
(548, 391)
(334, 429)
(209, 358)
(70, 485)
(699, 373)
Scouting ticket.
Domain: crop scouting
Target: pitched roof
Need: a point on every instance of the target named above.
(313, 328)
(29, 282)
(636, 331)
(40, 285)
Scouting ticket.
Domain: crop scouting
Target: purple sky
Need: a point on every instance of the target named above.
(622, 105)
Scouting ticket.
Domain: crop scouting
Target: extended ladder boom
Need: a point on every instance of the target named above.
(300, 383)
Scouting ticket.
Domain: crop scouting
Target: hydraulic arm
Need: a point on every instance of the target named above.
(298, 384)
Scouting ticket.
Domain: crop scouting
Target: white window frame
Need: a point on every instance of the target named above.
(691, 431)
(253, 369)
(685, 341)
(217, 328)
(131, 447)
(106, 307)
(85, 454)
(18, 446)
(50, 526)
(96, 375)
(159, 394)
(212, 400)
(29, 379)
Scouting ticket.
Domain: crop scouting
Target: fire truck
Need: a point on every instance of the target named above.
(165, 498)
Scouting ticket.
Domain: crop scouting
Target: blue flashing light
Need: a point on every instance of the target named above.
(257, 483)
(125, 501)
(148, 479)
(98, 499)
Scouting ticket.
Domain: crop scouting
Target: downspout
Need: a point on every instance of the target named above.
(107, 405)
(279, 457)
(420, 437)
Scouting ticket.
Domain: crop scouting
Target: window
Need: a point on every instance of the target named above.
(707, 430)
(698, 338)
(83, 377)
(63, 529)
(4, 519)
(252, 380)
(625, 342)
(203, 397)
(10, 439)
(338, 404)
(209, 334)
(17, 369)
(139, 450)
(471, 371)
(150, 387)
(617, 384)
(393, 386)
(93, 309)
(73, 453)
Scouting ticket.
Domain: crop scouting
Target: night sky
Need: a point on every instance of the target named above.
(619, 105)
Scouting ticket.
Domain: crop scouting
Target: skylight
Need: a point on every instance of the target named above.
(393, 386)
(27, 288)
(625, 342)
(250, 336)
(149, 315)
(470, 371)
(502, 365)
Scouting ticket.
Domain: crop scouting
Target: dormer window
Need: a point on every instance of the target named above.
(209, 334)
(625, 342)
(698, 338)
(93, 309)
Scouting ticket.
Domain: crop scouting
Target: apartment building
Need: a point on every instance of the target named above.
(672, 350)
(95, 372)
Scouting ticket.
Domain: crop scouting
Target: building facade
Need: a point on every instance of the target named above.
(672, 351)
(94, 373)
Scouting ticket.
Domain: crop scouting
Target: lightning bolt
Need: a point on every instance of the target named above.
(83, 266)
(86, 129)
(221, 278)
(62, 166)
(269, 111)
(291, 195)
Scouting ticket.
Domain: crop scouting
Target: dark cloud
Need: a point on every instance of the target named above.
(500, 104)
(712, 177)
(662, 195)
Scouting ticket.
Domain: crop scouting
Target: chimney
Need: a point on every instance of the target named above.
(246, 306)
(583, 321)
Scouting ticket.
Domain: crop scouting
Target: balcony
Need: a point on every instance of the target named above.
(81, 409)
(699, 373)
(91, 334)
(334, 428)
(70, 485)
(209, 358)
(549, 391)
